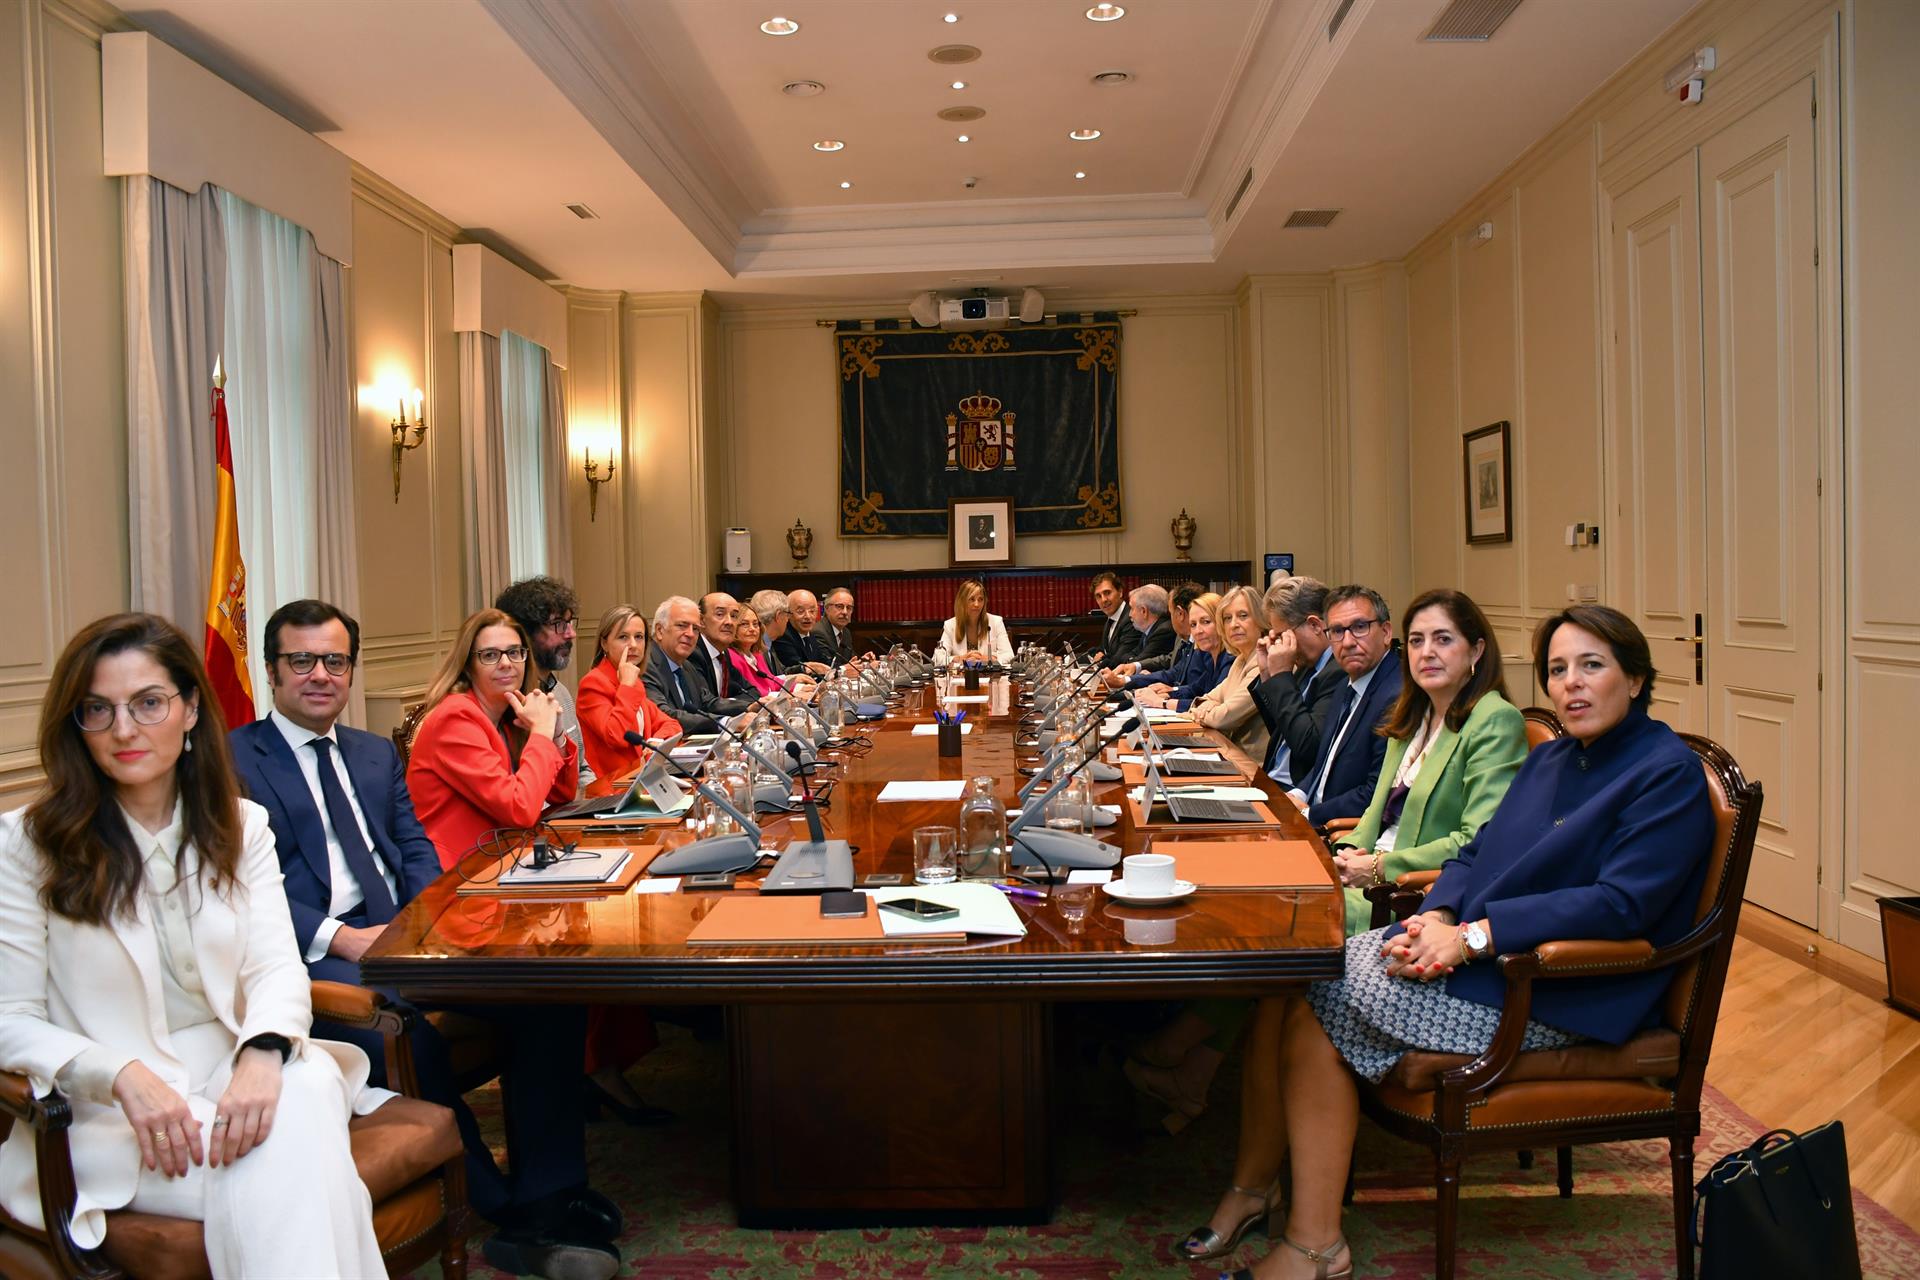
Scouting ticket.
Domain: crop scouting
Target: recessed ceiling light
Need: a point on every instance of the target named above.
(964, 138)
(1105, 13)
(846, 186)
(829, 144)
(958, 84)
(1084, 135)
(952, 17)
(787, 26)
(1081, 174)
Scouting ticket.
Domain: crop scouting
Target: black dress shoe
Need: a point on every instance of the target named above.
(589, 1215)
(530, 1251)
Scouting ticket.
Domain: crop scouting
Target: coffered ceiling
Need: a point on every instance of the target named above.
(668, 119)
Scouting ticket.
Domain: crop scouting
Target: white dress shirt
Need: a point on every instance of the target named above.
(347, 893)
(1359, 684)
(717, 665)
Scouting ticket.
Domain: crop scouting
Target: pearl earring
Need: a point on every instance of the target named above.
(189, 744)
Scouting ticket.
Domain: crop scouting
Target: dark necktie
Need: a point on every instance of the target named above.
(719, 674)
(353, 846)
(1334, 742)
(687, 699)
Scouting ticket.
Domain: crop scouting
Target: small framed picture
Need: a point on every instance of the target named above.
(1487, 458)
(980, 531)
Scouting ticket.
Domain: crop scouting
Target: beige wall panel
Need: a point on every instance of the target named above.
(1883, 709)
(662, 450)
(781, 401)
(449, 510)
(1491, 573)
(1371, 482)
(1433, 426)
(1176, 431)
(1559, 375)
(593, 424)
(1293, 414)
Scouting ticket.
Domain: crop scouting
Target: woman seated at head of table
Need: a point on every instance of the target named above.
(972, 634)
(613, 699)
(148, 969)
(1229, 705)
(1206, 663)
(489, 752)
(1454, 743)
(1604, 834)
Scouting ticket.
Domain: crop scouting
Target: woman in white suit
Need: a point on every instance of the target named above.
(972, 634)
(148, 970)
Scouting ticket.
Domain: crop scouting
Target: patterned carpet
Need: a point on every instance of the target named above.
(1126, 1192)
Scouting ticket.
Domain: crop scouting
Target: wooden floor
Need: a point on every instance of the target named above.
(1807, 1038)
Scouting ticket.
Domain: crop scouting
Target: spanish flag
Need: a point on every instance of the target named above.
(227, 596)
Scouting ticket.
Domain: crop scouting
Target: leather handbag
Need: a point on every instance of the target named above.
(1781, 1207)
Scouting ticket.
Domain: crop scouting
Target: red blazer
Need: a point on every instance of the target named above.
(758, 677)
(609, 711)
(464, 784)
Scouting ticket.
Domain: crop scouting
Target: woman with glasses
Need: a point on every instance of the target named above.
(490, 751)
(613, 696)
(148, 970)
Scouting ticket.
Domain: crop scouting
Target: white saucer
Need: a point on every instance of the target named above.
(1118, 889)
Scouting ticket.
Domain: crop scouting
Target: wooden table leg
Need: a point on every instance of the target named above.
(848, 1114)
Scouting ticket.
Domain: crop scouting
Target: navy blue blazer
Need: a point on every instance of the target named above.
(1350, 784)
(273, 780)
(1605, 842)
(1178, 670)
(1204, 671)
(1152, 644)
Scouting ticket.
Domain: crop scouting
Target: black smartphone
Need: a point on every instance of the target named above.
(843, 904)
(920, 909)
(709, 880)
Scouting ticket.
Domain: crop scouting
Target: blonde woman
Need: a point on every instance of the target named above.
(613, 699)
(1229, 705)
(1202, 669)
(972, 634)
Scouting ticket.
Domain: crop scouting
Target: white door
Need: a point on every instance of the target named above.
(1761, 393)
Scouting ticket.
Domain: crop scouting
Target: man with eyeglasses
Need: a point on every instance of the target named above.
(672, 679)
(1360, 634)
(353, 853)
(549, 612)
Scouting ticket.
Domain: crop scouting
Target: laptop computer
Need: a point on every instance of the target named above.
(651, 788)
(1192, 808)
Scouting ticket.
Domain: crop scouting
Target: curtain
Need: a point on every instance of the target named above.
(482, 469)
(553, 472)
(337, 531)
(523, 401)
(174, 259)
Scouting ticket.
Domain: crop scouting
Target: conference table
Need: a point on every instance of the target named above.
(925, 1069)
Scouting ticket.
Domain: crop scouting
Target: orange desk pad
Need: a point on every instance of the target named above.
(1247, 864)
(791, 920)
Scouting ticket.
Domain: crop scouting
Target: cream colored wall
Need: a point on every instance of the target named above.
(777, 411)
(1287, 377)
(63, 457)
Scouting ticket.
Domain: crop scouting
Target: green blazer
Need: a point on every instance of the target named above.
(1462, 782)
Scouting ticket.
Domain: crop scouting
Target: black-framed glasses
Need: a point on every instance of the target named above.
(561, 622)
(1359, 630)
(491, 657)
(150, 706)
(337, 664)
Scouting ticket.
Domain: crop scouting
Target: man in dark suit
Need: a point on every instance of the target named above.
(838, 606)
(1147, 609)
(673, 679)
(1360, 631)
(1297, 679)
(711, 662)
(353, 853)
(1120, 639)
(804, 645)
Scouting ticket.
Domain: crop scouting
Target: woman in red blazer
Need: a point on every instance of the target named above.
(486, 754)
(612, 700)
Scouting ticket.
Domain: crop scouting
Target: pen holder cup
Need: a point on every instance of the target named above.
(971, 677)
(949, 739)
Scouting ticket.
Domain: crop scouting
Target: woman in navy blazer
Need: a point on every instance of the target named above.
(1604, 834)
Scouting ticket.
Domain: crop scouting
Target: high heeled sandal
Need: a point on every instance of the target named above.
(1211, 1244)
(1321, 1257)
(1159, 1084)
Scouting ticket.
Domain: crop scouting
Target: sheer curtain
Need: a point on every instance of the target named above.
(513, 463)
(174, 295)
(482, 469)
(523, 401)
(289, 407)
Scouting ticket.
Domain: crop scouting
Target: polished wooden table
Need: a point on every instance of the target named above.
(923, 1067)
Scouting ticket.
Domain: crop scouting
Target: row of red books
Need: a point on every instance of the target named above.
(930, 599)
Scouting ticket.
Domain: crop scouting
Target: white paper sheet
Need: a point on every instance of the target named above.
(983, 910)
(933, 730)
(908, 791)
(666, 884)
(1089, 876)
(964, 697)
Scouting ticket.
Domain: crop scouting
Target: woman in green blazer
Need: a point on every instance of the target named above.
(1454, 744)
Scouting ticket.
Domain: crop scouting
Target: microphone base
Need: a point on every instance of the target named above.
(811, 866)
(714, 853)
(1061, 849)
(1101, 771)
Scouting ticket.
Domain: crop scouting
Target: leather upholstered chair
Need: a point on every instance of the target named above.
(410, 717)
(408, 1153)
(1647, 1088)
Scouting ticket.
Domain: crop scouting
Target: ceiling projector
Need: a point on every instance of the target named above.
(978, 311)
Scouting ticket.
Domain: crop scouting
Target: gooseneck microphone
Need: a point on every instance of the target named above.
(738, 852)
(1060, 848)
(816, 833)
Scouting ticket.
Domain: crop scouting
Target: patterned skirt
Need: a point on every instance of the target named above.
(1372, 1019)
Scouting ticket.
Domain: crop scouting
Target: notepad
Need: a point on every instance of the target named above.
(582, 867)
(1247, 865)
(929, 730)
(899, 790)
(983, 910)
(964, 697)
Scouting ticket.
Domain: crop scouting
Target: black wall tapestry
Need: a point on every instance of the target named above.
(1026, 413)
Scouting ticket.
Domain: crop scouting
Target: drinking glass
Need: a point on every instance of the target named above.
(934, 851)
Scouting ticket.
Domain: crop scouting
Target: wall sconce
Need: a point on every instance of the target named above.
(401, 443)
(594, 481)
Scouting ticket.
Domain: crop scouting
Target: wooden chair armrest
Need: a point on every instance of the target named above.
(1419, 881)
(354, 1006)
(42, 1115)
(49, 1118)
(1337, 827)
(1559, 959)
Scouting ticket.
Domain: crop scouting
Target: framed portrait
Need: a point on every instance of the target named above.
(1487, 459)
(980, 531)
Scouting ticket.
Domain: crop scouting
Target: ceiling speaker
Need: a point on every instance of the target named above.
(1033, 307)
(925, 310)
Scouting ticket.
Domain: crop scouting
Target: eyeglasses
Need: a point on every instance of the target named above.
(95, 715)
(491, 657)
(337, 664)
(561, 622)
(1359, 630)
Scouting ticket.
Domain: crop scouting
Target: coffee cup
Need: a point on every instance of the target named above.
(1150, 873)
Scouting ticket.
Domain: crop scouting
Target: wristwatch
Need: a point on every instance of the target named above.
(1474, 940)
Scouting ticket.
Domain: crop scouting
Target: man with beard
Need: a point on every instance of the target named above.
(548, 611)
